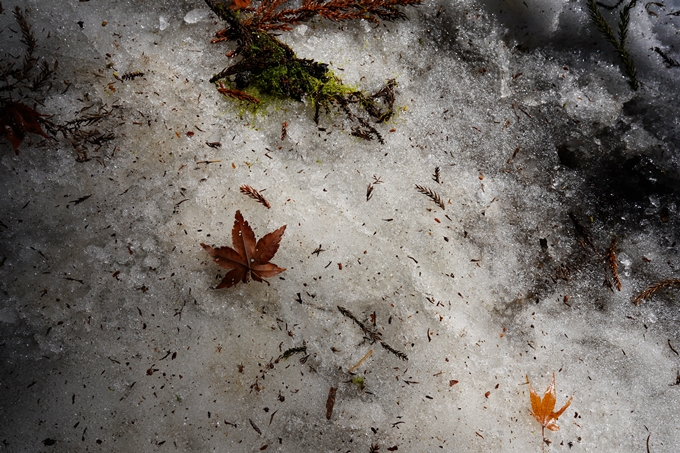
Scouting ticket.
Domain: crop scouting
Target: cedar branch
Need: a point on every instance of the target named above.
(434, 196)
(255, 195)
(652, 289)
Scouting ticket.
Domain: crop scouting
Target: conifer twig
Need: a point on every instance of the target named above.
(619, 44)
(434, 196)
(27, 39)
(269, 16)
(436, 176)
(652, 289)
(666, 59)
(237, 94)
(255, 195)
(372, 334)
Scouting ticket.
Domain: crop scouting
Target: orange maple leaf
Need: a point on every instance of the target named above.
(239, 4)
(247, 259)
(543, 408)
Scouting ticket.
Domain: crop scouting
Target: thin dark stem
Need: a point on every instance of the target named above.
(543, 438)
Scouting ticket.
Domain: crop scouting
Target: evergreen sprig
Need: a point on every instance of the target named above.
(619, 43)
(271, 16)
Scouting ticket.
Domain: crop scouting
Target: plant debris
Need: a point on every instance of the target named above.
(372, 334)
(436, 176)
(330, 402)
(269, 69)
(132, 75)
(292, 351)
(247, 258)
(358, 364)
(652, 289)
(434, 196)
(255, 195)
(543, 408)
(16, 118)
(613, 264)
(369, 192)
(619, 43)
(670, 62)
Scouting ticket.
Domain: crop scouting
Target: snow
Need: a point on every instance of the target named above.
(112, 337)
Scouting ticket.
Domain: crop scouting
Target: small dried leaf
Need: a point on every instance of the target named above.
(542, 408)
(247, 259)
(16, 119)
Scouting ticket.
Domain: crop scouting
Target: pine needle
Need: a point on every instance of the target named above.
(363, 359)
(255, 195)
(434, 196)
(651, 290)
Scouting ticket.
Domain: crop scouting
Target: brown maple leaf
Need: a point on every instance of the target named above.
(16, 119)
(542, 408)
(247, 258)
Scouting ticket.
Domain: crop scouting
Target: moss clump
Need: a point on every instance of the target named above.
(268, 69)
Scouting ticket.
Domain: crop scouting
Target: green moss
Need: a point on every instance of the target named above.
(359, 381)
(270, 73)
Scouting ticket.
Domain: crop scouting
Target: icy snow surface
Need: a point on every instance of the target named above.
(113, 337)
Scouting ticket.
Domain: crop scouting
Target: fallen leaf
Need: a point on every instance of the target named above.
(16, 119)
(247, 258)
(239, 4)
(543, 408)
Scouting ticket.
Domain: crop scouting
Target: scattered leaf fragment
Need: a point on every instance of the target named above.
(330, 402)
(257, 430)
(247, 259)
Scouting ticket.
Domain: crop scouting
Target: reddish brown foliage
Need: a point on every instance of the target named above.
(17, 119)
(652, 289)
(273, 15)
(255, 195)
(247, 258)
(237, 94)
